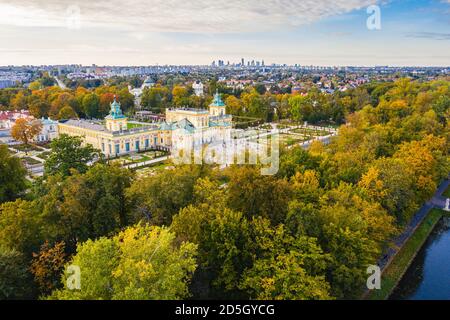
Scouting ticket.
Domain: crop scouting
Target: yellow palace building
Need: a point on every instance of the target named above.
(115, 138)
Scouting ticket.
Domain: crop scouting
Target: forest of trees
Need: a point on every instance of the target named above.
(254, 102)
(308, 232)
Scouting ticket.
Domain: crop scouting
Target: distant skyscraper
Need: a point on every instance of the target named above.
(242, 62)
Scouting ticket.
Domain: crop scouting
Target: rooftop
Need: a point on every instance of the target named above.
(217, 102)
(85, 124)
(191, 110)
(116, 111)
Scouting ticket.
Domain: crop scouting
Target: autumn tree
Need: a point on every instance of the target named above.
(180, 96)
(47, 267)
(25, 130)
(140, 263)
(20, 100)
(105, 103)
(39, 108)
(234, 105)
(59, 100)
(20, 226)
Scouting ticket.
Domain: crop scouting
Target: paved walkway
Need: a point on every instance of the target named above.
(145, 163)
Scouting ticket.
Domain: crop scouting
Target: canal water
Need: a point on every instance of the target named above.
(429, 275)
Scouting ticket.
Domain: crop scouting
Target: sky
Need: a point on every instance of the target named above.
(182, 32)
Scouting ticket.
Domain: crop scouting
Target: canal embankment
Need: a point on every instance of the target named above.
(394, 272)
(406, 247)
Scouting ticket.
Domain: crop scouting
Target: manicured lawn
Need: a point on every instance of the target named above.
(311, 132)
(289, 140)
(44, 155)
(31, 161)
(143, 156)
(395, 271)
(152, 169)
(134, 125)
(24, 148)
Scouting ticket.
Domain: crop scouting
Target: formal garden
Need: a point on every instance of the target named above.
(139, 157)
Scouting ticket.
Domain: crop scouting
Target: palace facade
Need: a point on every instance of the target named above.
(116, 136)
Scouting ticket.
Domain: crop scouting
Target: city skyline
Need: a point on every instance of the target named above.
(46, 32)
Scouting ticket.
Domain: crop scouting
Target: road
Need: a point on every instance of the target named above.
(60, 83)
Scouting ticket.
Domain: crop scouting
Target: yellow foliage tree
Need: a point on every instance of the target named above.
(25, 130)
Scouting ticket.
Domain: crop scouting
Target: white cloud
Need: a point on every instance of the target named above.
(175, 15)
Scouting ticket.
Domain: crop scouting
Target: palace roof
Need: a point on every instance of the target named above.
(217, 102)
(116, 111)
(84, 124)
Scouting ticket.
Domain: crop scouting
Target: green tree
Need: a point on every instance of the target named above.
(141, 263)
(91, 105)
(286, 268)
(256, 195)
(20, 226)
(68, 153)
(301, 107)
(85, 206)
(67, 113)
(255, 105)
(12, 176)
(14, 277)
(225, 249)
(155, 98)
(260, 88)
(222, 237)
(156, 199)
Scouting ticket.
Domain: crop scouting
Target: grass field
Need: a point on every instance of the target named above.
(289, 140)
(134, 125)
(395, 271)
(446, 193)
(44, 155)
(311, 132)
(31, 161)
(151, 170)
(26, 148)
(143, 156)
